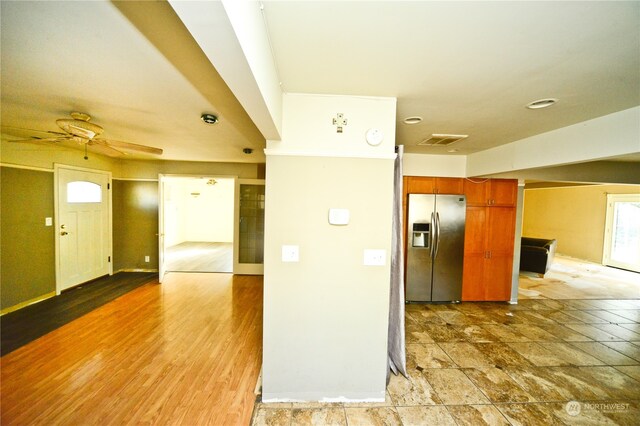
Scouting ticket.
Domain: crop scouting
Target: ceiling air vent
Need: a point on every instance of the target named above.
(442, 140)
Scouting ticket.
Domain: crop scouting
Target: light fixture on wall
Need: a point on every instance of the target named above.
(212, 182)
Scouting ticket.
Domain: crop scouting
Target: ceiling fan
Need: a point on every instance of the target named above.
(78, 129)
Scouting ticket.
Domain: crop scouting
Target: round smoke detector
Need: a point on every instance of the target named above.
(541, 103)
(209, 118)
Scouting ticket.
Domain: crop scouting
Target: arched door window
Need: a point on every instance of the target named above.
(84, 192)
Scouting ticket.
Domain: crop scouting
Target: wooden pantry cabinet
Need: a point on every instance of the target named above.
(489, 231)
(488, 253)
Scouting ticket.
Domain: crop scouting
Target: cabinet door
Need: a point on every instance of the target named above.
(475, 236)
(449, 186)
(420, 185)
(500, 225)
(475, 230)
(497, 277)
(500, 241)
(476, 191)
(503, 192)
(473, 277)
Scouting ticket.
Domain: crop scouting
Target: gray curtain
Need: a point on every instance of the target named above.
(396, 343)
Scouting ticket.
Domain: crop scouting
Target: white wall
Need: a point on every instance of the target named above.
(207, 217)
(326, 316)
(434, 165)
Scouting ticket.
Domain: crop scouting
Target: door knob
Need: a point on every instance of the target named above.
(63, 226)
(64, 233)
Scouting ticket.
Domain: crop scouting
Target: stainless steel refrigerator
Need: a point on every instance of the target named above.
(435, 247)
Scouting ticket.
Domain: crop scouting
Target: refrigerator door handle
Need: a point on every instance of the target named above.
(432, 236)
(437, 235)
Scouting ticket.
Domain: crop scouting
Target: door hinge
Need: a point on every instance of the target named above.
(109, 259)
(108, 186)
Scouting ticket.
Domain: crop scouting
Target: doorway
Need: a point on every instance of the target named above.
(622, 232)
(83, 225)
(198, 223)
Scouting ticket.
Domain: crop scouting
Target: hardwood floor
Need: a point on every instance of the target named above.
(193, 256)
(27, 324)
(187, 351)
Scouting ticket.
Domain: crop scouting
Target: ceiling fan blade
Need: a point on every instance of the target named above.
(131, 146)
(20, 132)
(101, 147)
(43, 140)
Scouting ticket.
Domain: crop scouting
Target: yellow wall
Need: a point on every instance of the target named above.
(575, 216)
(27, 253)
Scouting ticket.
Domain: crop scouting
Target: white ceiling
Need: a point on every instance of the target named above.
(59, 57)
(465, 67)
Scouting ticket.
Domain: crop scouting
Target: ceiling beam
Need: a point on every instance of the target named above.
(612, 135)
(234, 37)
(160, 24)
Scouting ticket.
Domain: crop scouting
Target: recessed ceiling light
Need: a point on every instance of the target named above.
(209, 118)
(541, 103)
(412, 120)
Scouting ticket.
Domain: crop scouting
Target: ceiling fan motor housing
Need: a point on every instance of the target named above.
(79, 128)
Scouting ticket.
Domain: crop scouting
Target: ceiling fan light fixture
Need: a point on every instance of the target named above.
(412, 120)
(209, 118)
(541, 103)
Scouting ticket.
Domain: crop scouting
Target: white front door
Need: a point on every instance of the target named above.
(622, 232)
(83, 213)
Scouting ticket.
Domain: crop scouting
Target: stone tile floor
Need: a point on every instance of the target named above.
(540, 362)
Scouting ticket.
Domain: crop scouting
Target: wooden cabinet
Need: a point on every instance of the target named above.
(503, 192)
(449, 186)
(419, 185)
(433, 185)
(488, 253)
(491, 192)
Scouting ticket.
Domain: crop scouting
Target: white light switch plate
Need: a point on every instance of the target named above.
(290, 253)
(48, 221)
(374, 257)
(339, 216)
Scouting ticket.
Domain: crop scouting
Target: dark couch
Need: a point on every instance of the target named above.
(536, 254)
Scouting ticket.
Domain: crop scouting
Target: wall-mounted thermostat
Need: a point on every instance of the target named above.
(339, 216)
(374, 136)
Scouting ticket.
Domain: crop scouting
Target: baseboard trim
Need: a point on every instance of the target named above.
(135, 270)
(27, 303)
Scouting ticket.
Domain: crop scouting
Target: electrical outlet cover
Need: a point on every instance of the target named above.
(374, 257)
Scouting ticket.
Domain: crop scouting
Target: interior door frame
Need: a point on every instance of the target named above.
(56, 206)
(162, 270)
(243, 268)
(608, 230)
